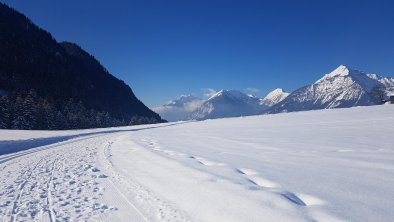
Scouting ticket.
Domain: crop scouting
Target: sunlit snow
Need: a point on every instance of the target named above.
(327, 165)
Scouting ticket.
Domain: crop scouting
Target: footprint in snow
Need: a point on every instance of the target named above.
(246, 171)
(253, 177)
(95, 170)
(293, 198)
(206, 162)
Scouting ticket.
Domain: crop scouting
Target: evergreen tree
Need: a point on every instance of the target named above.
(45, 116)
(18, 121)
(60, 121)
(4, 112)
(29, 111)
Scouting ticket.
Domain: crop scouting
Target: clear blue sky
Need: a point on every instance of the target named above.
(165, 48)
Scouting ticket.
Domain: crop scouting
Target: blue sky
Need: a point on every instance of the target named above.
(166, 48)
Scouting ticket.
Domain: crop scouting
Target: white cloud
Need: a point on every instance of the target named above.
(252, 91)
(193, 105)
(208, 92)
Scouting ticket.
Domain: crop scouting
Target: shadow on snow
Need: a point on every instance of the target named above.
(12, 146)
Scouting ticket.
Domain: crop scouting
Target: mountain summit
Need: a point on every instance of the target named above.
(341, 88)
(342, 70)
(228, 103)
(274, 97)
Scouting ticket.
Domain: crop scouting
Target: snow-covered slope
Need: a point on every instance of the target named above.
(179, 109)
(274, 97)
(326, 165)
(228, 103)
(343, 87)
(387, 82)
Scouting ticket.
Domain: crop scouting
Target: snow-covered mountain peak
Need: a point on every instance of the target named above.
(229, 93)
(228, 103)
(180, 108)
(276, 92)
(251, 95)
(181, 100)
(343, 71)
(274, 97)
(219, 93)
(344, 75)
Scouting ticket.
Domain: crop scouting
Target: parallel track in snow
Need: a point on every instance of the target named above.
(55, 182)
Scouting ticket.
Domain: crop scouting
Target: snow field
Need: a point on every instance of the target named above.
(328, 165)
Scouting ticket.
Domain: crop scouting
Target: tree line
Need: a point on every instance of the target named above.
(28, 111)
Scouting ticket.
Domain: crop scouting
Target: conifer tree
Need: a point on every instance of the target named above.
(4, 112)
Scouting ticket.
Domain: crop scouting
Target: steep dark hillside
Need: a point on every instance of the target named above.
(43, 82)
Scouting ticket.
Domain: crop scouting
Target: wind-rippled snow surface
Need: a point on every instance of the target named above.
(327, 165)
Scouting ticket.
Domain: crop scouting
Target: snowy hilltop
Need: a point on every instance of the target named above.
(344, 87)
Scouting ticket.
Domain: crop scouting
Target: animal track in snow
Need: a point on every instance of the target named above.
(248, 172)
(152, 144)
(262, 182)
(253, 177)
(310, 200)
(206, 162)
(293, 198)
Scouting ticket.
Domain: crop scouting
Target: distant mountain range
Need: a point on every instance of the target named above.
(225, 103)
(344, 87)
(49, 85)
